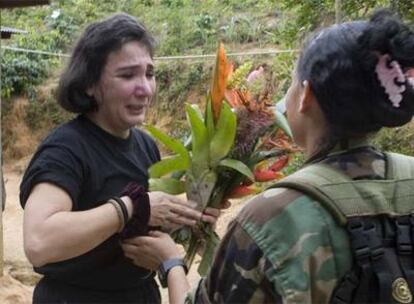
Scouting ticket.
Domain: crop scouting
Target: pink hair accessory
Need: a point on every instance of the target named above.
(388, 74)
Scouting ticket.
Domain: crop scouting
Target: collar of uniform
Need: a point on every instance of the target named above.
(344, 147)
(350, 144)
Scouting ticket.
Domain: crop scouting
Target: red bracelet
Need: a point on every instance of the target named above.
(138, 223)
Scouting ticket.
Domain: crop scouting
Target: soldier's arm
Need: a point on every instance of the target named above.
(237, 274)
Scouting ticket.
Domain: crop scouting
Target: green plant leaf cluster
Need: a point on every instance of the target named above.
(210, 145)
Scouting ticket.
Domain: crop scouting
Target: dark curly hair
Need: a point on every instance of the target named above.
(339, 62)
(90, 55)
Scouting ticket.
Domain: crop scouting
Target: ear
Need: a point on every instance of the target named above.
(307, 98)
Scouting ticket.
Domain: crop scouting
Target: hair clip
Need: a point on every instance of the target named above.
(391, 78)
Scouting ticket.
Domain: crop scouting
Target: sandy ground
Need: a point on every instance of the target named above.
(16, 285)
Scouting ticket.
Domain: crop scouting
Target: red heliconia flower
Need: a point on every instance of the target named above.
(280, 163)
(243, 190)
(267, 175)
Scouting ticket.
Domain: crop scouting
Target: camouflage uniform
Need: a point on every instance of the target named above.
(283, 246)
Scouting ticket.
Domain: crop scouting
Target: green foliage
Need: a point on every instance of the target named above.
(41, 113)
(297, 161)
(175, 82)
(181, 27)
(283, 65)
(399, 140)
(302, 17)
(20, 74)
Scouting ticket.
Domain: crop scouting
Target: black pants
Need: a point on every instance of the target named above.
(49, 291)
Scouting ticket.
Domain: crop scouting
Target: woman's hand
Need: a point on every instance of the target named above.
(170, 212)
(150, 251)
(210, 215)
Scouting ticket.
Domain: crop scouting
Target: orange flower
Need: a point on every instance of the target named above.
(221, 73)
(232, 98)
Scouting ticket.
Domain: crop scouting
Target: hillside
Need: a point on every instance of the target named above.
(181, 27)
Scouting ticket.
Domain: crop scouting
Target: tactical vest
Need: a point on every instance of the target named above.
(379, 218)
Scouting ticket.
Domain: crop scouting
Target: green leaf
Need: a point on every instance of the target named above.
(178, 174)
(199, 188)
(282, 122)
(199, 140)
(182, 236)
(198, 111)
(223, 138)
(168, 185)
(238, 166)
(198, 129)
(171, 143)
(259, 156)
(213, 241)
(168, 165)
(209, 119)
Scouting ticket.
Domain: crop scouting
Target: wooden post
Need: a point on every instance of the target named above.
(338, 11)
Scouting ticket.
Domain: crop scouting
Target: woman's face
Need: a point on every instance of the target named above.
(125, 89)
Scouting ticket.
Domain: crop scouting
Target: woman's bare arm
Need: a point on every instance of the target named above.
(53, 233)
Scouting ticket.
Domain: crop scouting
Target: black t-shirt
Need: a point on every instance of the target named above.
(92, 165)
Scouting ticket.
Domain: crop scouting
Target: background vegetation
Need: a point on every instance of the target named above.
(182, 27)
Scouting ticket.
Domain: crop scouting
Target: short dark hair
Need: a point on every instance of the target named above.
(339, 63)
(90, 54)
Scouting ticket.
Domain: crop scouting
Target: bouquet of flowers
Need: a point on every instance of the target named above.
(239, 140)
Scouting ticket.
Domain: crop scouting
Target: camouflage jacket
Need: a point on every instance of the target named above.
(284, 247)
